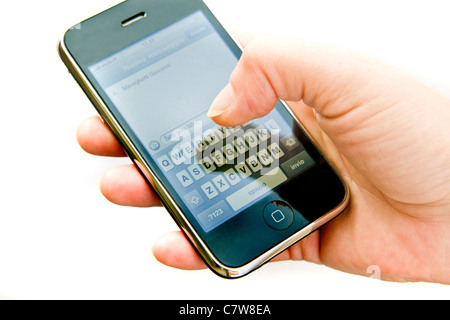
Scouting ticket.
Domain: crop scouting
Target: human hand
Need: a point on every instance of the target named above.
(387, 134)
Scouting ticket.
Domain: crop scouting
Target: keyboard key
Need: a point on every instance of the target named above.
(210, 137)
(243, 170)
(193, 199)
(188, 150)
(229, 152)
(232, 176)
(263, 134)
(264, 157)
(165, 163)
(290, 143)
(177, 155)
(276, 151)
(222, 132)
(208, 164)
(254, 164)
(209, 190)
(218, 158)
(199, 144)
(251, 138)
(256, 189)
(196, 171)
(184, 178)
(221, 183)
(240, 145)
(234, 129)
(214, 215)
(297, 164)
(272, 125)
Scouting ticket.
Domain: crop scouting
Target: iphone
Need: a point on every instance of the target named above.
(241, 195)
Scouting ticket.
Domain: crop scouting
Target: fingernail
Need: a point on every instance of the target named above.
(221, 103)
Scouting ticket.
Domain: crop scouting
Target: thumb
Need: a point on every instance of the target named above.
(380, 119)
(271, 69)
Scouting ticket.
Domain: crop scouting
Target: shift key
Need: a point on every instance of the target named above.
(297, 164)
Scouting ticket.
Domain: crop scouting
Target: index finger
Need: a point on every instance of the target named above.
(96, 138)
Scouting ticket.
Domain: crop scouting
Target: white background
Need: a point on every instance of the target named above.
(60, 239)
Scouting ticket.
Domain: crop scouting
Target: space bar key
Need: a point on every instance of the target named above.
(256, 189)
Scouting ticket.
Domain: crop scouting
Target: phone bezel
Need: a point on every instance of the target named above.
(137, 153)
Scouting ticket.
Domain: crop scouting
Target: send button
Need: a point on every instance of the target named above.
(297, 164)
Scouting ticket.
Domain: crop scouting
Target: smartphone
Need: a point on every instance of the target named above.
(241, 195)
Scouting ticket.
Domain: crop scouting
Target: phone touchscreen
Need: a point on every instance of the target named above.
(163, 86)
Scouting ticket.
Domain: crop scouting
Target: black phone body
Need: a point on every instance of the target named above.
(241, 195)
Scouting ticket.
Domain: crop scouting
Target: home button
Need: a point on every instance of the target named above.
(278, 215)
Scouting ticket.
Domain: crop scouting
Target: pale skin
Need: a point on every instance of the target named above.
(386, 133)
